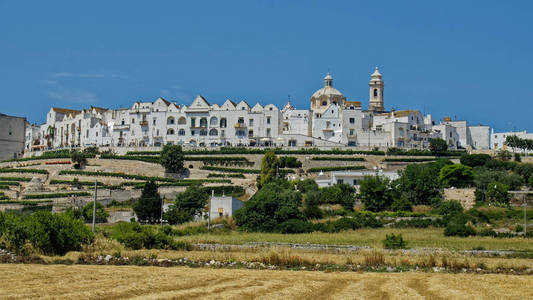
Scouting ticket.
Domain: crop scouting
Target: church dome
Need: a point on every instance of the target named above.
(327, 95)
(328, 89)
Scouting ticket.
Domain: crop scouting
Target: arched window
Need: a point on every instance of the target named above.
(324, 103)
(375, 92)
(170, 131)
(181, 132)
(223, 123)
(203, 132)
(203, 122)
(170, 121)
(182, 121)
(213, 121)
(334, 102)
(213, 132)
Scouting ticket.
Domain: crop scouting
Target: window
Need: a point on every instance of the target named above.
(324, 103)
(213, 132)
(193, 122)
(213, 121)
(351, 131)
(203, 132)
(375, 92)
(355, 182)
(182, 121)
(122, 122)
(97, 133)
(222, 133)
(251, 122)
(157, 132)
(203, 122)
(340, 181)
(170, 131)
(352, 120)
(193, 132)
(153, 121)
(268, 131)
(181, 132)
(250, 133)
(170, 121)
(223, 123)
(86, 135)
(268, 120)
(132, 121)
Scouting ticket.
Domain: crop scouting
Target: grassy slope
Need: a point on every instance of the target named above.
(416, 238)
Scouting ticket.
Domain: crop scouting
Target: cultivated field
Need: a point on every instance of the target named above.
(114, 282)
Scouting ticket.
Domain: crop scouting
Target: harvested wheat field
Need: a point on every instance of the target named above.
(113, 282)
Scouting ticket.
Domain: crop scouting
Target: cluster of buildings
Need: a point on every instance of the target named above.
(331, 121)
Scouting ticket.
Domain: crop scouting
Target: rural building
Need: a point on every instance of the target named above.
(351, 177)
(224, 206)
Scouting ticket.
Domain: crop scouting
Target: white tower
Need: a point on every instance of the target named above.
(376, 92)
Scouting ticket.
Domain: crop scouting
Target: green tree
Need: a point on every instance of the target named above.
(438, 146)
(456, 175)
(376, 193)
(171, 158)
(419, 183)
(78, 159)
(401, 204)
(148, 207)
(188, 204)
(498, 192)
(101, 214)
(272, 205)
(269, 168)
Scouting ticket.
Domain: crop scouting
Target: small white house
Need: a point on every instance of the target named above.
(224, 206)
(351, 177)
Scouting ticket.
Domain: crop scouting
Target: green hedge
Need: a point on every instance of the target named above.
(242, 171)
(4, 187)
(73, 182)
(14, 179)
(50, 155)
(25, 202)
(327, 169)
(217, 175)
(333, 158)
(422, 152)
(425, 159)
(56, 195)
(113, 174)
(9, 183)
(34, 171)
(149, 159)
(231, 150)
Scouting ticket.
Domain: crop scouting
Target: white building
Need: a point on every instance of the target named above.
(351, 177)
(497, 139)
(224, 206)
(331, 121)
(12, 136)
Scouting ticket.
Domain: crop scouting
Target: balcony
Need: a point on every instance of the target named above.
(327, 129)
(351, 136)
(240, 125)
(121, 127)
(143, 123)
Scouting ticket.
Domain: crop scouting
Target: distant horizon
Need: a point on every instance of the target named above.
(463, 60)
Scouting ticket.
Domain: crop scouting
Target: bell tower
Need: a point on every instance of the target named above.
(376, 92)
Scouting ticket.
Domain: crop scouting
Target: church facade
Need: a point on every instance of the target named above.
(331, 121)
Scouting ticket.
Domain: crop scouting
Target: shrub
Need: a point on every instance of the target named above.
(393, 241)
(475, 160)
(420, 182)
(498, 193)
(457, 227)
(35, 171)
(425, 159)
(401, 204)
(448, 209)
(333, 158)
(295, 226)
(101, 213)
(56, 195)
(289, 162)
(135, 236)
(56, 234)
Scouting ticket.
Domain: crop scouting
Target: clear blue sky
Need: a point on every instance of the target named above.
(469, 59)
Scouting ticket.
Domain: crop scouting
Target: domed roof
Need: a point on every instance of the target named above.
(327, 90)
